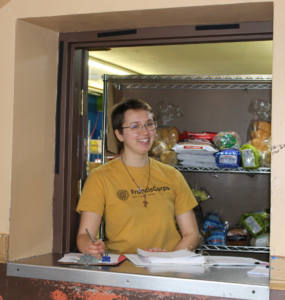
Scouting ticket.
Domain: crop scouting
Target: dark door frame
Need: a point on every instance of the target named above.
(65, 183)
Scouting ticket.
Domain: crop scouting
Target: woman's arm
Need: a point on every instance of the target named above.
(91, 221)
(189, 230)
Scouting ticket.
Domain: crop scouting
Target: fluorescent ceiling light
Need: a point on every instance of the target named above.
(97, 65)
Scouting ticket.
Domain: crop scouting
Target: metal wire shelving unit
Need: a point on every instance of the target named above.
(234, 248)
(208, 82)
(182, 168)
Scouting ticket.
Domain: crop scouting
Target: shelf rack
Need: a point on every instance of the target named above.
(235, 248)
(191, 81)
(223, 170)
(243, 82)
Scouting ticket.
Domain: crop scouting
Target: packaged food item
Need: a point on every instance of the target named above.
(259, 130)
(217, 238)
(166, 112)
(169, 134)
(230, 158)
(237, 237)
(195, 147)
(215, 230)
(197, 160)
(158, 147)
(250, 157)
(259, 144)
(266, 159)
(227, 140)
(197, 135)
(201, 193)
(256, 222)
(261, 109)
(169, 157)
(262, 240)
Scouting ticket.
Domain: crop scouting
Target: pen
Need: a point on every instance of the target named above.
(91, 237)
(262, 263)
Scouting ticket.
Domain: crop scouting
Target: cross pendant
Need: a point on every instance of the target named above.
(145, 202)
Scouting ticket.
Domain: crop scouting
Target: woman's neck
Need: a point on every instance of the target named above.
(137, 160)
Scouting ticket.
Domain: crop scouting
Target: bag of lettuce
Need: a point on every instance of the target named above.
(250, 157)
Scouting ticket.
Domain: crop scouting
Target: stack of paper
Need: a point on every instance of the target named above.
(175, 257)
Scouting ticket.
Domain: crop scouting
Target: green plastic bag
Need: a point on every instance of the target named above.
(250, 157)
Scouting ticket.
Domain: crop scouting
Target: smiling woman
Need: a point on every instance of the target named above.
(138, 197)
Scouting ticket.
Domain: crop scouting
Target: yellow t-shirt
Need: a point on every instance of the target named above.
(130, 222)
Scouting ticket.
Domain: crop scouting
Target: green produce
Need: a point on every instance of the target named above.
(256, 222)
(250, 157)
(202, 195)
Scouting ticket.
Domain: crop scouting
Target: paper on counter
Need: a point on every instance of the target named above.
(233, 261)
(259, 271)
(174, 257)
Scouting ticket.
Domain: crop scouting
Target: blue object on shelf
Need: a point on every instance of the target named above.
(230, 158)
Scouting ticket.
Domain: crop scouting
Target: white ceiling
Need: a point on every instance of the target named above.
(238, 58)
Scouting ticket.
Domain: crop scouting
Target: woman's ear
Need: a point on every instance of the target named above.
(119, 136)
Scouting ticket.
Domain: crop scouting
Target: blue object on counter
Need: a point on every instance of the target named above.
(228, 159)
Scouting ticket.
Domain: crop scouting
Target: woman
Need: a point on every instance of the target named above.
(139, 197)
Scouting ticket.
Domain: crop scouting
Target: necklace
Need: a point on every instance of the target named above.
(139, 186)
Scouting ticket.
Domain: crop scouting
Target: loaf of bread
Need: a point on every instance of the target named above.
(169, 157)
(237, 237)
(158, 147)
(168, 134)
(262, 125)
(173, 135)
(260, 145)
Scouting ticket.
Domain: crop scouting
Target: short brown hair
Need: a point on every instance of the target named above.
(118, 113)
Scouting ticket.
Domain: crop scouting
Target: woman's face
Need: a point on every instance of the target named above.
(137, 143)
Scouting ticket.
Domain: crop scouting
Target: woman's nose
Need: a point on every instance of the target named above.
(144, 128)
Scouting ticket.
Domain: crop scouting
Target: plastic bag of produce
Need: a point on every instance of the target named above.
(256, 222)
(250, 157)
(201, 194)
(230, 158)
(227, 140)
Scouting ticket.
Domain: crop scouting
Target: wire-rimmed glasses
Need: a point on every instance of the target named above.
(137, 127)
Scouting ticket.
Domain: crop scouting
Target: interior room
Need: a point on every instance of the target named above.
(204, 109)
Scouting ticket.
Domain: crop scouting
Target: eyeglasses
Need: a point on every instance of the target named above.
(137, 128)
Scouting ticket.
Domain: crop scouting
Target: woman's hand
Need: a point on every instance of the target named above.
(96, 249)
(155, 250)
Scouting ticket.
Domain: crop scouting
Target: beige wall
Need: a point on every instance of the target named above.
(37, 67)
(33, 140)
